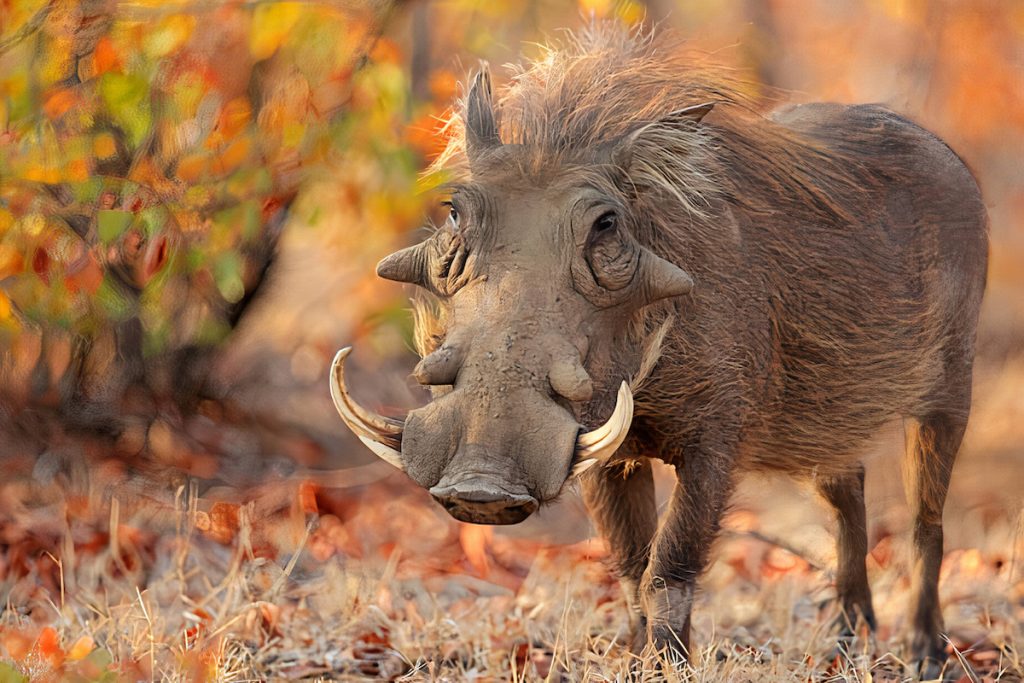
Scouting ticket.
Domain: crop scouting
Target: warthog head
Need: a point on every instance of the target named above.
(538, 274)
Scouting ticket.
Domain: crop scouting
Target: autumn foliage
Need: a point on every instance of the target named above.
(151, 156)
(192, 198)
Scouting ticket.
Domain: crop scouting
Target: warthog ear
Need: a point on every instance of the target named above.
(622, 151)
(405, 265)
(481, 125)
(661, 279)
(441, 264)
(694, 114)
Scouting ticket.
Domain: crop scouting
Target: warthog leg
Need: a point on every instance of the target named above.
(931, 450)
(845, 493)
(620, 497)
(704, 484)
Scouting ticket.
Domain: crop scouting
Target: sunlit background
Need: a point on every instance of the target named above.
(193, 196)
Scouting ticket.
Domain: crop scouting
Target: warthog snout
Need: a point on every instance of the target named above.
(494, 446)
(484, 500)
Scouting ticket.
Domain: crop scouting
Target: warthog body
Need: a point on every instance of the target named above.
(837, 257)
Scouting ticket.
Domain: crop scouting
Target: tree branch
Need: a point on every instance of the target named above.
(30, 27)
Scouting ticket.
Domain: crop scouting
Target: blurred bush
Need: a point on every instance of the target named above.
(152, 153)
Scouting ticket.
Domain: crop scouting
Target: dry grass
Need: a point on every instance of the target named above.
(378, 583)
(106, 575)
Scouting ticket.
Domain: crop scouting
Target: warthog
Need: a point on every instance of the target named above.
(634, 248)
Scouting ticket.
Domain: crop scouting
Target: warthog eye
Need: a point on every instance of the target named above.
(606, 222)
(453, 213)
(610, 254)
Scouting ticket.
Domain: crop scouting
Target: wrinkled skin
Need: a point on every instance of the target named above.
(502, 427)
(526, 305)
(837, 259)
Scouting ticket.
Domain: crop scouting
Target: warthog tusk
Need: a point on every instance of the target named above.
(382, 435)
(581, 467)
(600, 444)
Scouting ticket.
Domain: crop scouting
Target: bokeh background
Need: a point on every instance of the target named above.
(193, 196)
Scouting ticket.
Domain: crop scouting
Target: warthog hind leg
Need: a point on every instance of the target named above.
(931, 450)
(845, 493)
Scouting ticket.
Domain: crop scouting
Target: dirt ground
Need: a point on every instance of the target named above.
(373, 580)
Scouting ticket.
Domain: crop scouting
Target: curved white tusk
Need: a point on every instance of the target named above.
(581, 467)
(382, 435)
(600, 444)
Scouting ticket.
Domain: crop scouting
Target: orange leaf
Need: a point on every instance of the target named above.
(10, 261)
(201, 620)
(425, 134)
(48, 641)
(474, 539)
(234, 155)
(223, 521)
(385, 50)
(193, 167)
(307, 497)
(104, 146)
(17, 644)
(444, 85)
(43, 174)
(105, 57)
(48, 645)
(77, 171)
(59, 102)
(84, 275)
(81, 649)
(234, 117)
(5, 306)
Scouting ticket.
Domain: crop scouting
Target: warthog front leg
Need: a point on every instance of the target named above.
(680, 551)
(621, 501)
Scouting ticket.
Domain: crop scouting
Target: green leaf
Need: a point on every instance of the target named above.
(8, 674)
(87, 191)
(111, 223)
(126, 96)
(227, 273)
(314, 216)
(113, 300)
(212, 332)
(241, 219)
(251, 220)
(101, 659)
(153, 220)
(194, 259)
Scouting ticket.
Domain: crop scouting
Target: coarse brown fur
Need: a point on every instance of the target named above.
(839, 257)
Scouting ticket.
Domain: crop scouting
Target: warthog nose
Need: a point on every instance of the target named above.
(481, 502)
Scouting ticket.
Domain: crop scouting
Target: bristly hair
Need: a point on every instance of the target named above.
(574, 105)
(593, 89)
(598, 86)
(820, 279)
